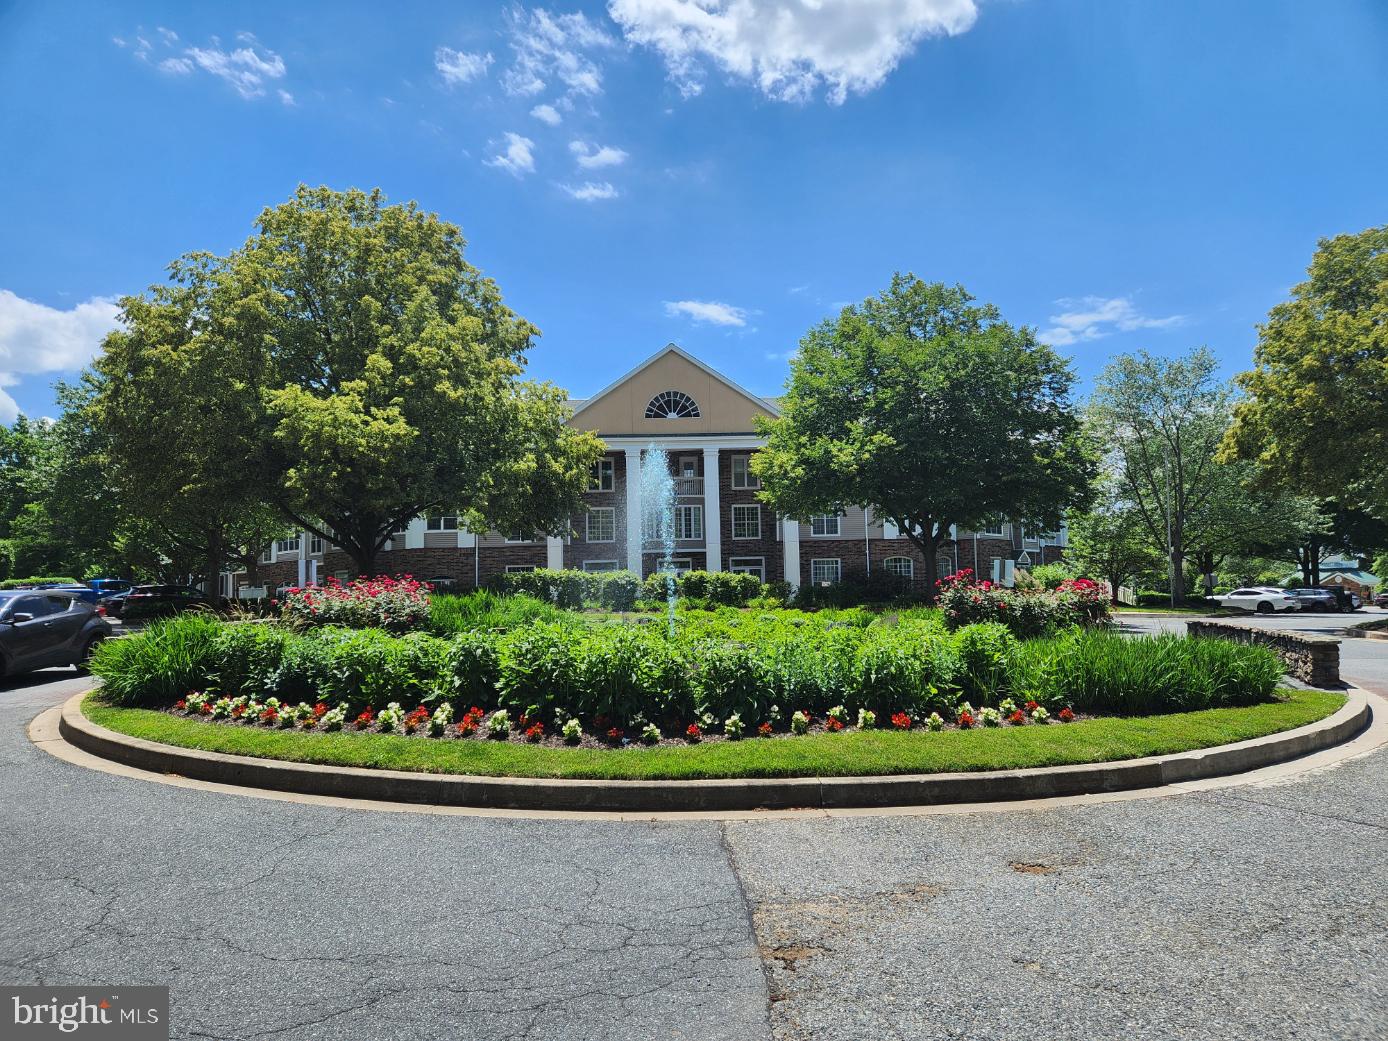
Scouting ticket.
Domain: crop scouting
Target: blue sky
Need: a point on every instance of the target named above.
(722, 174)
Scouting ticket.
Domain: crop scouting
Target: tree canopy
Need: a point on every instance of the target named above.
(931, 411)
(346, 367)
(1316, 414)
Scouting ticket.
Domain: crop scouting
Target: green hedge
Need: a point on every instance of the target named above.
(617, 674)
(569, 588)
(40, 580)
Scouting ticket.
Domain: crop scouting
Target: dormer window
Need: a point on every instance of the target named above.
(672, 404)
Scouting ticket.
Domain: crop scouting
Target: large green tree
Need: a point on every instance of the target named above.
(346, 367)
(1162, 420)
(1316, 413)
(1109, 541)
(930, 410)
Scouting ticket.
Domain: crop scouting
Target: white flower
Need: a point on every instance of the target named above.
(867, 719)
(573, 732)
(838, 712)
(935, 722)
(1040, 715)
(989, 717)
(799, 722)
(334, 718)
(443, 715)
(733, 726)
(1007, 706)
(499, 723)
(650, 733)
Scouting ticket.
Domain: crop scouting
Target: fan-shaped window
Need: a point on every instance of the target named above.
(672, 404)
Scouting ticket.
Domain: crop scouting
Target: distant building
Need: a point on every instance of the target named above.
(703, 421)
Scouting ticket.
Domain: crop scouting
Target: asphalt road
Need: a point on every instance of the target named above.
(1244, 912)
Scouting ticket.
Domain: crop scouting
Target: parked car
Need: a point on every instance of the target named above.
(111, 586)
(1346, 599)
(157, 601)
(113, 603)
(86, 593)
(1310, 598)
(1263, 599)
(41, 628)
(1381, 599)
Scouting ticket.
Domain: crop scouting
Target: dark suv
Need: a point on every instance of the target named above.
(44, 627)
(1312, 599)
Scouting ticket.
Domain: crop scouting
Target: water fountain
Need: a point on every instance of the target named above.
(658, 519)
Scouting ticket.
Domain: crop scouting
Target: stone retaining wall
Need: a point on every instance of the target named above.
(1310, 658)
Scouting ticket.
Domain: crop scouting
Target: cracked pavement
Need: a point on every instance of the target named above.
(1249, 911)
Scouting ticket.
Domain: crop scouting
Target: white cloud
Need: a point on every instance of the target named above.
(547, 114)
(592, 157)
(1093, 317)
(710, 311)
(245, 68)
(517, 157)
(457, 67)
(285, 97)
(248, 67)
(591, 191)
(35, 338)
(553, 47)
(789, 48)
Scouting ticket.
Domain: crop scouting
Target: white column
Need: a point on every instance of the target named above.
(713, 514)
(790, 550)
(554, 553)
(633, 509)
(414, 534)
(303, 559)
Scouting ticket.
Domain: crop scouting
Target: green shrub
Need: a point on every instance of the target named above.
(1050, 576)
(39, 580)
(1106, 673)
(732, 677)
(483, 609)
(161, 664)
(472, 670)
(985, 652)
(248, 655)
(627, 671)
(904, 670)
(537, 670)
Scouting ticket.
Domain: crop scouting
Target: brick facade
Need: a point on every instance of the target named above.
(767, 546)
(578, 549)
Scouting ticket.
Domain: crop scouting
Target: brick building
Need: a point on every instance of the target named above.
(703, 421)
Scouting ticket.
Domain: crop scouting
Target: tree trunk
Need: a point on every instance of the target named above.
(213, 566)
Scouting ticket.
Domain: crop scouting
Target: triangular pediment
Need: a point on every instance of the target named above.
(671, 393)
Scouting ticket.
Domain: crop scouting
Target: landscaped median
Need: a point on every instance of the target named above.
(955, 767)
(511, 701)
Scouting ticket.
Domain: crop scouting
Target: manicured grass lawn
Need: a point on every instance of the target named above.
(871, 752)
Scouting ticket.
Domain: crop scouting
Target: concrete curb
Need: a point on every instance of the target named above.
(523, 793)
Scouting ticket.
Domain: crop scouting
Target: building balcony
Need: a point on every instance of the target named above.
(686, 486)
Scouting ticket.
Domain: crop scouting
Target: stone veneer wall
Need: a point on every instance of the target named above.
(1310, 658)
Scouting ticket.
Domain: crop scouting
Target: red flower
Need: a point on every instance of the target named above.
(467, 726)
(966, 720)
(1017, 718)
(901, 721)
(832, 725)
(764, 730)
(692, 733)
(534, 732)
(206, 709)
(1032, 706)
(615, 735)
(365, 719)
(320, 710)
(180, 705)
(1066, 716)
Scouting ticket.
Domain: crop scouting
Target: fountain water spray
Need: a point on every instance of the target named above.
(658, 519)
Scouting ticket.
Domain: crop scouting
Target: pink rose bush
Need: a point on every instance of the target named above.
(965, 601)
(395, 604)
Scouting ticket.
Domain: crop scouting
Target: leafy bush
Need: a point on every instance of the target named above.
(41, 580)
(483, 609)
(706, 589)
(1105, 672)
(1025, 613)
(573, 589)
(1050, 576)
(725, 662)
(160, 664)
(985, 651)
(393, 604)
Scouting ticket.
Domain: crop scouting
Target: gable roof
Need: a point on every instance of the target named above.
(580, 404)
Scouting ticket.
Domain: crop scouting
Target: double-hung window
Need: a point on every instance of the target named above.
(743, 477)
(825, 525)
(603, 477)
(442, 522)
(689, 522)
(602, 524)
(826, 572)
(746, 521)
